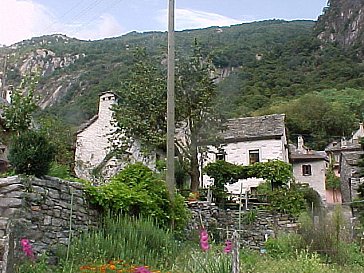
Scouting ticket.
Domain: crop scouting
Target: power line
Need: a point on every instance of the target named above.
(78, 15)
(112, 4)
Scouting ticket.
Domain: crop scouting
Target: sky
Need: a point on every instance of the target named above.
(98, 19)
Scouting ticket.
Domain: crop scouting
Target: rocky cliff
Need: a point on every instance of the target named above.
(343, 22)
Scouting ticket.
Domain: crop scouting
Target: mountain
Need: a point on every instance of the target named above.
(262, 67)
(343, 22)
(74, 72)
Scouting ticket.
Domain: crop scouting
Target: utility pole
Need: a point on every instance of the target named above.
(170, 179)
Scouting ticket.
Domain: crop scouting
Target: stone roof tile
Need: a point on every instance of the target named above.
(260, 127)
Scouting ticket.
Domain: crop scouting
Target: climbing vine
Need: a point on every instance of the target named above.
(276, 172)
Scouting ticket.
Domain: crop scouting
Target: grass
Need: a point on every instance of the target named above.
(126, 244)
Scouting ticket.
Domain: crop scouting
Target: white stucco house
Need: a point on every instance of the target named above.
(309, 167)
(246, 141)
(94, 159)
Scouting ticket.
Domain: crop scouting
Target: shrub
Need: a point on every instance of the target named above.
(137, 190)
(31, 153)
(284, 246)
(329, 236)
(59, 170)
(289, 201)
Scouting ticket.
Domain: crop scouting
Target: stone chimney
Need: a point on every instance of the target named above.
(300, 144)
(107, 99)
(344, 143)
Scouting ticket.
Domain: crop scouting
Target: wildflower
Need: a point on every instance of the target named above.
(142, 269)
(27, 248)
(204, 240)
(228, 246)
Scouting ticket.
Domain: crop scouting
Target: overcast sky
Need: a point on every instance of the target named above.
(97, 19)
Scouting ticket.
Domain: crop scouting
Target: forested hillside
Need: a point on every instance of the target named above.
(261, 67)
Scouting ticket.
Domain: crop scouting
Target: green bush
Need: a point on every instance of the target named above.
(289, 201)
(59, 170)
(30, 153)
(330, 237)
(284, 246)
(137, 190)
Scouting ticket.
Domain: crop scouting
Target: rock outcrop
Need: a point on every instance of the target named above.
(343, 22)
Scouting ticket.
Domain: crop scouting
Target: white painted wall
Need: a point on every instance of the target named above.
(317, 178)
(92, 145)
(238, 153)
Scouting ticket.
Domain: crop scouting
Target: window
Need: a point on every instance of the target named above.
(220, 156)
(306, 170)
(253, 156)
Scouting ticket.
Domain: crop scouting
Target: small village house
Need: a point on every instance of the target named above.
(344, 156)
(246, 141)
(94, 157)
(309, 167)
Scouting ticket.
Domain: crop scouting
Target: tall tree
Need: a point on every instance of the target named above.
(18, 114)
(141, 111)
(142, 102)
(196, 97)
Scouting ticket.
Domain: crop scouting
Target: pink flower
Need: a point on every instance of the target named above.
(142, 269)
(228, 246)
(27, 248)
(204, 240)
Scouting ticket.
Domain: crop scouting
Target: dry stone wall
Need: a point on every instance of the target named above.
(221, 223)
(44, 211)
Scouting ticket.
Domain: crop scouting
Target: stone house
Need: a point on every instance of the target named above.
(309, 167)
(343, 156)
(350, 175)
(94, 157)
(246, 141)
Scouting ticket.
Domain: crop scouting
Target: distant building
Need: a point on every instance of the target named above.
(344, 155)
(309, 167)
(246, 141)
(350, 175)
(94, 157)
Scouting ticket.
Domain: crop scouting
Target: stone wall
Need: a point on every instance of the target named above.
(220, 224)
(40, 210)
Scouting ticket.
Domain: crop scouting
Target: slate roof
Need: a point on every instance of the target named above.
(252, 128)
(85, 125)
(352, 157)
(311, 156)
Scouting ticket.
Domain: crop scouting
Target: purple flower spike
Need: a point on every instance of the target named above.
(228, 246)
(204, 240)
(27, 248)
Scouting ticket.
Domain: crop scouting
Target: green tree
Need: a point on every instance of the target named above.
(60, 135)
(31, 153)
(141, 111)
(142, 103)
(18, 114)
(196, 97)
(320, 120)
